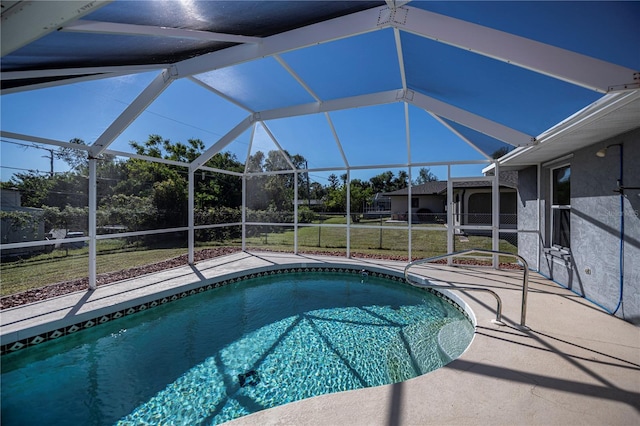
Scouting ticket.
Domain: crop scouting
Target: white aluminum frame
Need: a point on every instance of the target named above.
(27, 21)
(541, 58)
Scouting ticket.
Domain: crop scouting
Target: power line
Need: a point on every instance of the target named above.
(50, 157)
(29, 170)
(102, 94)
(26, 170)
(31, 145)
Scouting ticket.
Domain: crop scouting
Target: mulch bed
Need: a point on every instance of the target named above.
(62, 288)
(66, 287)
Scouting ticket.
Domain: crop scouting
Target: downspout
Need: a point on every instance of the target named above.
(621, 191)
(409, 221)
(495, 214)
(450, 224)
(539, 214)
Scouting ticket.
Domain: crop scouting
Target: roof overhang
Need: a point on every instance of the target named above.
(612, 115)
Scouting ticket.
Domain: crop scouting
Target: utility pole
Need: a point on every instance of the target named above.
(50, 157)
(306, 166)
(51, 161)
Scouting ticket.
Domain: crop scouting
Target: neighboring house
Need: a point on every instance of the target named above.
(313, 203)
(471, 202)
(379, 207)
(28, 225)
(578, 211)
(428, 202)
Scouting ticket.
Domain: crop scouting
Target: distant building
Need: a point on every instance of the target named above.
(379, 207)
(18, 231)
(471, 202)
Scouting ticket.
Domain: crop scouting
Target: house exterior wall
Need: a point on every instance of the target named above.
(18, 232)
(529, 239)
(593, 265)
(472, 206)
(477, 207)
(399, 205)
(9, 198)
(435, 203)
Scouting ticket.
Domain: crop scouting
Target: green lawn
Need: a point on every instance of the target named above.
(392, 239)
(58, 266)
(116, 254)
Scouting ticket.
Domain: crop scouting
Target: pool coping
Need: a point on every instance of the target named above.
(55, 328)
(32, 324)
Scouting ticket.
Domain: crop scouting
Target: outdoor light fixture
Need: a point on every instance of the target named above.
(603, 152)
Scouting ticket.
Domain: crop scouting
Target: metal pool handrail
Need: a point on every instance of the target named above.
(525, 280)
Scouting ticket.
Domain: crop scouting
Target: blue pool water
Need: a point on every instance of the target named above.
(235, 350)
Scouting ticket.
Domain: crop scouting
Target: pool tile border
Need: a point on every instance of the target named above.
(181, 294)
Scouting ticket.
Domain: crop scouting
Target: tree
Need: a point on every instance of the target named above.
(361, 193)
(75, 158)
(166, 185)
(138, 213)
(276, 160)
(425, 175)
(256, 197)
(255, 162)
(20, 226)
(334, 183)
(275, 191)
(70, 218)
(382, 182)
(500, 152)
(219, 189)
(304, 185)
(59, 190)
(34, 189)
(317, 191)
(402, 181)
(109, 173)
(183, 152)
(280, 187)
(170, 198)
(336, 199)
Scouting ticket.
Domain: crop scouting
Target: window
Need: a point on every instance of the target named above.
(414, 203)
(561, 207)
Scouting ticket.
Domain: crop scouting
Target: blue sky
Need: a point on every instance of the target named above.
(185, 111)
(523, 100)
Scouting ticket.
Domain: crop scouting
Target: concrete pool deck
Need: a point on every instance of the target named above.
(575, 364)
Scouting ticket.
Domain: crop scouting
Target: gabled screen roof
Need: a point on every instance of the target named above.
(491, 75)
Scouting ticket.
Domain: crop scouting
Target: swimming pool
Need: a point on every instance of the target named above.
(234, 350)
